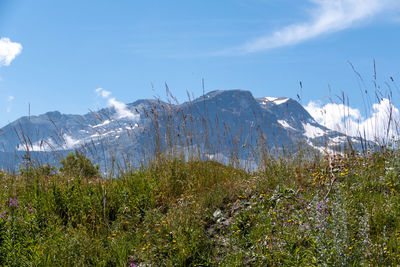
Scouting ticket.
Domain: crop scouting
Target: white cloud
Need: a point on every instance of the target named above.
(382, 122)
(10, 99)
(103, 93)
(70, 142)
(122, 111)
(8, 51)
(327, 16)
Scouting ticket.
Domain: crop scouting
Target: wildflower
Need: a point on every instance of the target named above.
(13, 202)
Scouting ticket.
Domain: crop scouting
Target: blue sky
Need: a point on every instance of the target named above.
(55, 54)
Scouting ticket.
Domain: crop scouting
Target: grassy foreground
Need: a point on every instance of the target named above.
(321, 211)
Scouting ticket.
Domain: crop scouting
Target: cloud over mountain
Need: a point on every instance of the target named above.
(382, 122)
(121, 109)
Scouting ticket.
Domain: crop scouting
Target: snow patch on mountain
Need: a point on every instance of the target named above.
(275, 100)
(338, 139)
(101, 124)
(312, 131)
(41, 146)
(49, 145)
(286, 125)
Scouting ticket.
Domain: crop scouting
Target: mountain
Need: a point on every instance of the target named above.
(222, 125)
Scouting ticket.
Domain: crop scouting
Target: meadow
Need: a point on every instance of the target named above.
(305, 211)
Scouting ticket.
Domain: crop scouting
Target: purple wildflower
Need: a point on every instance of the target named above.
(13, 202)
(323, 207)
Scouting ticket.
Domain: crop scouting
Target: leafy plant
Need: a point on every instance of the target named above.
(78, 165)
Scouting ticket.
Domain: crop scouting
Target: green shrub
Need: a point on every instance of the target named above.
(78, 165)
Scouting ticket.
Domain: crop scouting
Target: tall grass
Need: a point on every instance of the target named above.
(342, 211)
(179, 208)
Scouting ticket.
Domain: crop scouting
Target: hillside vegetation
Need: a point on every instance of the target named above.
(300, 210)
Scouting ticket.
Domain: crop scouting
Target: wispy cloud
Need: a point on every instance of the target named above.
(327, 16)
(10, 100)
(102, 92)
(381, 124)
(8, 51)
(122, 111)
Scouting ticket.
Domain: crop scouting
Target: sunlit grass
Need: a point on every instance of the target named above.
(341, 210)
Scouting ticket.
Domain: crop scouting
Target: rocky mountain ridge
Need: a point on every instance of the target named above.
(224, 125)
